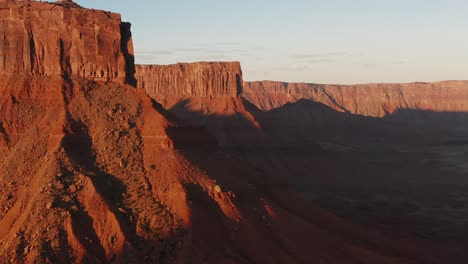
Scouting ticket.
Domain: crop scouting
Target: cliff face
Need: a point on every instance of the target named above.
(203, 79)
(375, 100)
(51, 39)
(202, 94)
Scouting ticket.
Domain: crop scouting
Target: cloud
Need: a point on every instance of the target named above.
(229, 43)
(221, 51)
(212, 57)
(293, 68)
(370, 65)
(155, 52)
(399, 62)
(319, 60)
(315, 56)
(325, 57)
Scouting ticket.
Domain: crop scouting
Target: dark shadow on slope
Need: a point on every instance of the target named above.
(247, 181)
(78, 145)
(4, 134)
(210, 228)
(82, 225)
(232, 132)
(393, 184)
(167, 114)
(306, 128)
(310, 122)
(314, 119)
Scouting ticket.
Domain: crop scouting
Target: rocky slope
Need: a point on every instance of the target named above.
(375, 100)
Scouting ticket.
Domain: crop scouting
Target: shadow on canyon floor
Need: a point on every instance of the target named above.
(363, 157)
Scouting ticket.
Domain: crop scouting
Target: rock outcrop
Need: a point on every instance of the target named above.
(202, 79)
(376, 100)
(202, 94)
(63, 39)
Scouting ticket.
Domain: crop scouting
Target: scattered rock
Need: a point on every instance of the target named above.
(49, 205)
(73, 188)
(59, 186)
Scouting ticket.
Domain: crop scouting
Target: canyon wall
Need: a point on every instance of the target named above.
(202, 94)
(377, 100)
(64, 39)
(202, 79)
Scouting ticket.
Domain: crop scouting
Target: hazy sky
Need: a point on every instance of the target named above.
(326, 41)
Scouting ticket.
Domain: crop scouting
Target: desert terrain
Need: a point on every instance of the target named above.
(106, 161)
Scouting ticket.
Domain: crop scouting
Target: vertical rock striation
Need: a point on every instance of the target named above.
(377, 100)
(63, 39)
(202, 79)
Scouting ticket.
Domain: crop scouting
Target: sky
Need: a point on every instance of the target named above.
(326, 41)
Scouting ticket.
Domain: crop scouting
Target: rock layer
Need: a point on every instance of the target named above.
(203, 79)
(377, 100)
(50, 39)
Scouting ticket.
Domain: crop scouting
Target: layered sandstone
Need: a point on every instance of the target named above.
(375, 100)
(63, 39)
(202, 94)
(202, 79)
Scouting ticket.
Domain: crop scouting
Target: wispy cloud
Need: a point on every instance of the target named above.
(229, 43)
(315, 56)
(325, 57)
(319, 60)
(218, 51)
(293, 68)
(399, 62)
(370, 65)
(155, 52)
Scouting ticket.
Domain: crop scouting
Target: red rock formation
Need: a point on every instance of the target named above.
(202, 94)
(203, 79)
(43, 39)
(90, 172)
(375, 100)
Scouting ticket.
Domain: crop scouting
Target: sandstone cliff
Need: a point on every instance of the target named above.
(202, 94)
(375, 100)
(203, 79)
(55, 39)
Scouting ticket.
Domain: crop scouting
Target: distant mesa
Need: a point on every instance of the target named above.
(376, 100)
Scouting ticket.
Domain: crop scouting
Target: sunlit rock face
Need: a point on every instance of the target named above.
(202, 79)
(50, 39)
(377, 100)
